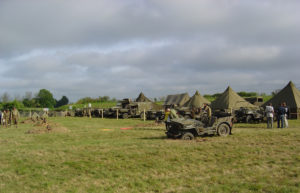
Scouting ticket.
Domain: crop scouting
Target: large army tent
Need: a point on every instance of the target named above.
(196, 101)
(178, 99)
(230, 100)
(289, 94)
(142, 98)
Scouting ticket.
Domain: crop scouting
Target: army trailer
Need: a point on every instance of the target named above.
(188, 129)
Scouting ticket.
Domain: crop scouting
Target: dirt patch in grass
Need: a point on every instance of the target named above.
(40, 128)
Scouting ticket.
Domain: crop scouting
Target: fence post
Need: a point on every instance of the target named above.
(117, 114)
(102, 113)
(144, 115)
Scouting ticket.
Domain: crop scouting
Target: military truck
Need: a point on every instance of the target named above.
(154, 115)
(188, 129)
(126, 108)
(248, 115)
(258, 101)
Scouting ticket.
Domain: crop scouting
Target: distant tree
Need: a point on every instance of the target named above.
(10, 105)
(63, 101)
(28, 95)
(104, 99)
(5, 98)
(45, 99)
(247, 94)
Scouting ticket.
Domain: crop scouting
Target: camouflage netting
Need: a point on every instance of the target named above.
(289, 94)
(196, 101)
(230, 100)
(178, 99)
(142, 98)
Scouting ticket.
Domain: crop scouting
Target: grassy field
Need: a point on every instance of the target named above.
(95, 155)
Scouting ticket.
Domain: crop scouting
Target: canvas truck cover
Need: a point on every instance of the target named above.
(177, 99)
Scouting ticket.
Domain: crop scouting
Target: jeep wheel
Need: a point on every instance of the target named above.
(249, 119)
(169, 135)
(223, 130)
(187, 117)
(142, 115)
(187, 136)
(125, 115)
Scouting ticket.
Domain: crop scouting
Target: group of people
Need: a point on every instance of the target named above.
(205, 113)
(281, 113)
(7, 117)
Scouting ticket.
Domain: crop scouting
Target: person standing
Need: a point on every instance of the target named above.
(270, 115)
(6, 116)
(281, 116)
(15, 115)
(286, 123)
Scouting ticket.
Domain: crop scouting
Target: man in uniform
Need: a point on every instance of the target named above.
(45, 117)
(207, 111)
(35, 117)
(6, 117)
(15, 115)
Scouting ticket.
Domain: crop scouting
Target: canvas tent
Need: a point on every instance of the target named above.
(196, 101)
(177, 100)
(142, 98)
(230, 100)
(289, 94)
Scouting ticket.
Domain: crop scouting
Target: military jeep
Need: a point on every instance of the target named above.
(247, 115)
(188, 129)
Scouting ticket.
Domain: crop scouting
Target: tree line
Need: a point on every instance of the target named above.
(43, 99)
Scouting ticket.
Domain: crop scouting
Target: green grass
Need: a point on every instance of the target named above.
(90, 158)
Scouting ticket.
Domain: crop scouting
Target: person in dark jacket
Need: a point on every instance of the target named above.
(281, 112)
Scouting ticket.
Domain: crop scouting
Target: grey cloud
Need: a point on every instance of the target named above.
(118, 48)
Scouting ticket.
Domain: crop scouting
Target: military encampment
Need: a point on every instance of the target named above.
(149, 96)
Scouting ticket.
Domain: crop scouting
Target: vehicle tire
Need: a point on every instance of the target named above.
(223, 130)
(249, 119)
(125, 115)
(187, 117)
(187, 136)
(169, 135)
(142, 116)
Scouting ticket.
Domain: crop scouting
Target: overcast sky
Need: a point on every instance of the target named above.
(119, 48)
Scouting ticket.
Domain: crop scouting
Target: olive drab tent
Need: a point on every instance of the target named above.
(291, 96)
(142, 98)
(177, 100)
(230, 100)
(196, 101)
